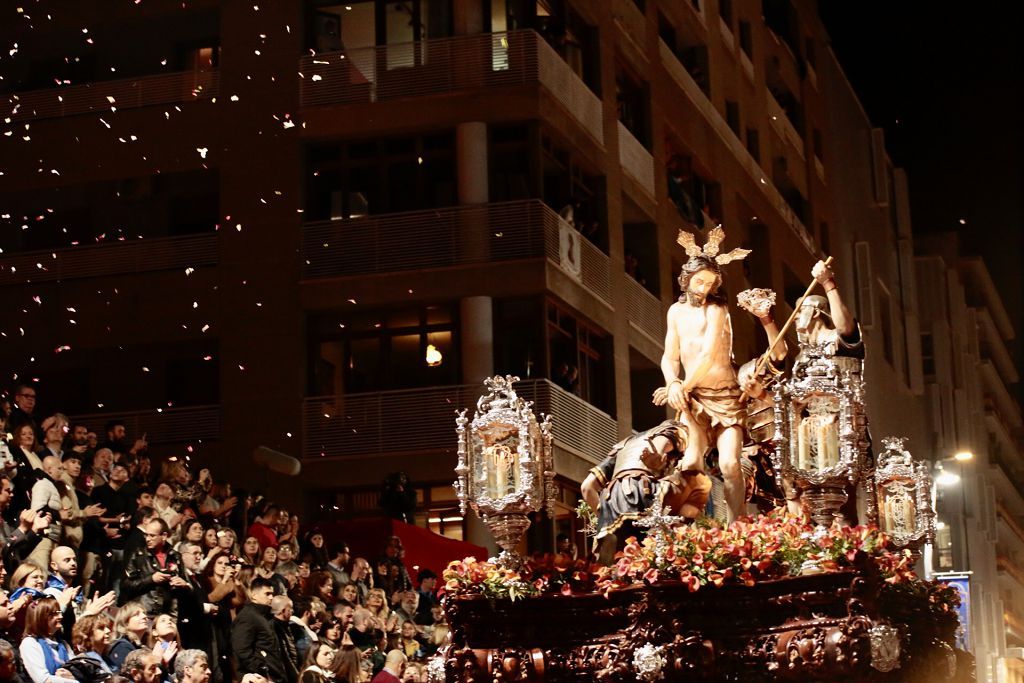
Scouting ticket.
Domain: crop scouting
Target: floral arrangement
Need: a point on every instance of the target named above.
(750, 550)
(558, 573)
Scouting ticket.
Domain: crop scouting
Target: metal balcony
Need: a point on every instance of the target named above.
(423, 420)
(444, 66)
(106, 96)
(645, 312)
(782, 125)
(161, 425)
(109, 258)
(636, 161)
(450, 237)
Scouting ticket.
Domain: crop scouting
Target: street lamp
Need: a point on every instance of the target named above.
(944, 477)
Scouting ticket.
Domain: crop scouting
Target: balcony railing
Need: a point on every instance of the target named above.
(636, 160)
(645, 311)
(447, 65)
(783, 126)
(419, 420)
(109, 258)
(104, 96)
(455, 236)
(162, 425)
(699, 100)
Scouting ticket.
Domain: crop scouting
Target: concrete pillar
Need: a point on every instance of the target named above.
(471, 160)
(477, 338)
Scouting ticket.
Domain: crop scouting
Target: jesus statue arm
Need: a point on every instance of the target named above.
(671, 366)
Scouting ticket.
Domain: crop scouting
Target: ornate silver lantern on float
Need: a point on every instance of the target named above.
(505, 469)
(821, 444)
(904, 493)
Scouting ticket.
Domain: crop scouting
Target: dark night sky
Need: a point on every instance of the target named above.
(944, 80)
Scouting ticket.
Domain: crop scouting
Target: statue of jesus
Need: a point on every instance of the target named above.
(699, 341)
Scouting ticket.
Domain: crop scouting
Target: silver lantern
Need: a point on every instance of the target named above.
(903, 489)
(505, 467)
(820, 440)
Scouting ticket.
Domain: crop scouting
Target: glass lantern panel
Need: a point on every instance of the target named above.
(897, 511)
(497, 457)
(817, 432)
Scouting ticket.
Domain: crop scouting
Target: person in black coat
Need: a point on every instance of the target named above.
(194, 626)
(253, 639)
(149, 572)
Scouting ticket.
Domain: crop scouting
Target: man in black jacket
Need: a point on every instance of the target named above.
(281, 610)
(253, 638)
(148, 572)
(194, 626)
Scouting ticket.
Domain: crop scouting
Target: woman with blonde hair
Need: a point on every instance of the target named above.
(130, 628)
(382, 617)
(26, 577)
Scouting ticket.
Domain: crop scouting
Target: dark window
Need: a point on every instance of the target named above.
(353, 179)
(725, 11)
(810, 54)
(633, 97)
(885, 317)
(754, 143)
(816, 140)
(383, 350)
(928, 354)
(746, 40)
(732, 116)
(580, 357)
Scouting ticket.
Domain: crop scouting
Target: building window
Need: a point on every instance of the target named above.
(356, 24)
(746, 39)
(928, 354)
(754, 143)
(580, 357)
(885, 320)
(732, 116)
(633, 100)
(810, 54)
(725, 11)
(354, 179)
(819, 147)
(383, 350)
(696, 199)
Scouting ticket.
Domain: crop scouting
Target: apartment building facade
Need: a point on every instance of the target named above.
(316, 227)
(967, 370)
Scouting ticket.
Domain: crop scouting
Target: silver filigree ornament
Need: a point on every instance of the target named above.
(649, 661)
(903, 489)
(820, 439)
(885, 648)
(435, 669)
(757, 301)
(505, 467)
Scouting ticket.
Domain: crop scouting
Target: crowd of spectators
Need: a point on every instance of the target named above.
(115, 567)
